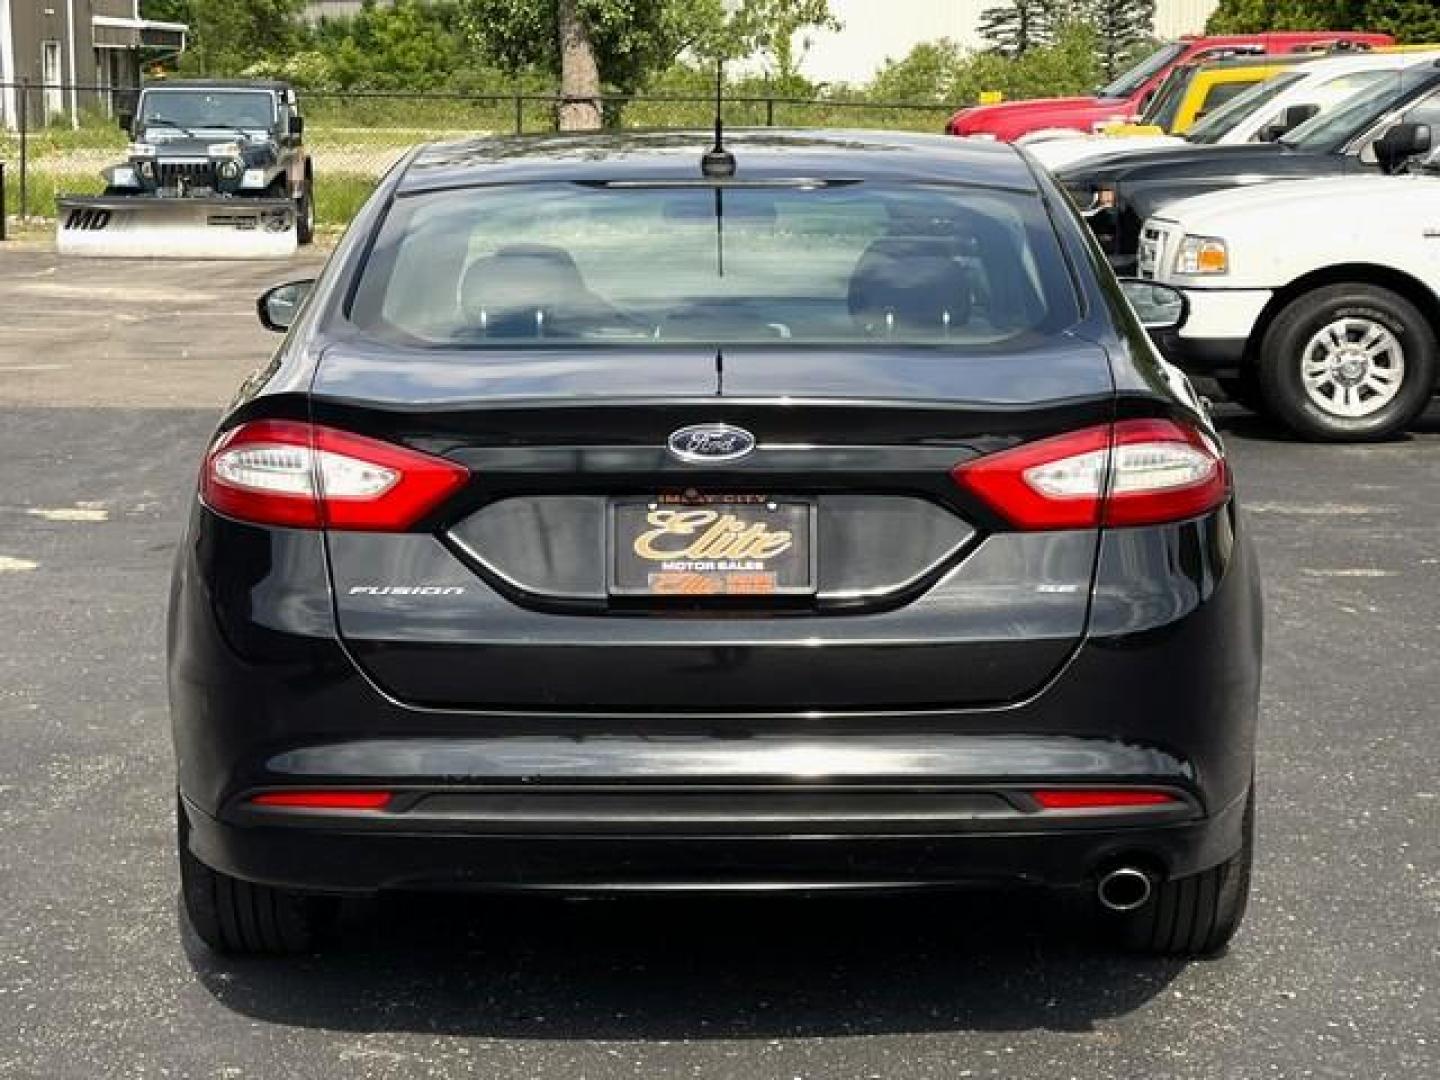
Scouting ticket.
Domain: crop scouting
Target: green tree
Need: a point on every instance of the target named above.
(165, 10)
(404, 46)
(1017, 26)
(228, 36)
(1409, 20)
(769, 28)
(1416, 21)
(944, 73)
(1118, 26)
(593, 45)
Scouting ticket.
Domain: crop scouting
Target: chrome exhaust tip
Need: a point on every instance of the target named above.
(1124, 889)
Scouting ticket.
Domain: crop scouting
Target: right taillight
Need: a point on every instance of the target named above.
(1134, 472)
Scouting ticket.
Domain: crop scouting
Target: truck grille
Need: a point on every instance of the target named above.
(194, 174)
(1152, 251)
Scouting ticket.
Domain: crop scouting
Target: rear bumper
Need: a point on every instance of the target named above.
(321, 852)
(1161, 694)
(1204, 356)
(1217, 332)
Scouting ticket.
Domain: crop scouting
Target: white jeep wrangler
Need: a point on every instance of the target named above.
(1314, 301)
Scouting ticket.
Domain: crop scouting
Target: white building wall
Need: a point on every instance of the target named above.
(877, 30)
(1176, 17)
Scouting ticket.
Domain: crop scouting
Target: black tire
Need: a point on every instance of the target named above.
(1282, 356)
(240, 918)
(1195, 916)
(305, 213)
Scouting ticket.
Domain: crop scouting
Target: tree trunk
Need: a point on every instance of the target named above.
(579, 73)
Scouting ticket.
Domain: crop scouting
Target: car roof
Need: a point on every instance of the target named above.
(1368, 61)
(216, 84)
(1254, 60)
(760, 154)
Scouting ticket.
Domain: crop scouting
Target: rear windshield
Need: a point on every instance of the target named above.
(540, 264)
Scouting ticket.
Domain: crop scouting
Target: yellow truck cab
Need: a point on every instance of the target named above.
(1193, 90)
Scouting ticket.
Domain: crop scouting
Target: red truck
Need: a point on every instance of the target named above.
(1124, 98)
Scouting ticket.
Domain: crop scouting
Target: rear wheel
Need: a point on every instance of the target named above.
(1348, 363)
(240, 918)
(1196, 915)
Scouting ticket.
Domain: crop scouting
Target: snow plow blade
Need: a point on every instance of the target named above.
(152, 227)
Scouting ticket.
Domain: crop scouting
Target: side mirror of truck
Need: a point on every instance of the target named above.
(279, 306)
(125, 119)
(297, 126)
(1288, 121)
(1160, 307)
(1400, 144)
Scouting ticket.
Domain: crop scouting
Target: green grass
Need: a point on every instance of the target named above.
(339, 196)
(42, 189)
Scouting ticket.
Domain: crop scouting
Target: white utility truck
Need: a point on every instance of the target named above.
(1314, 301)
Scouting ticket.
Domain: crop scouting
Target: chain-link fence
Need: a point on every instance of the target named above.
(55, 139)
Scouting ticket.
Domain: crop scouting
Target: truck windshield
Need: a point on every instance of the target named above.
(1226, 118)
(1127, 84)
(193, 109)
(1330, 131)
(1165, 101)
(546, 264)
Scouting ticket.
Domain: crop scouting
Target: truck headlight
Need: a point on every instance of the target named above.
(1202, 255)
(146, 169)
(121, 176)
(230, 169)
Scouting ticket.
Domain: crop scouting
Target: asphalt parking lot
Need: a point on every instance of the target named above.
(111, 376)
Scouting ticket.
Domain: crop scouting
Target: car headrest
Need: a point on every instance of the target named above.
(910, 283)
(517, 281)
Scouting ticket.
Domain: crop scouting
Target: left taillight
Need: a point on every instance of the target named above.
(1134, 472)
(285, 472)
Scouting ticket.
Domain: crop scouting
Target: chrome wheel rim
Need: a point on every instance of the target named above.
(1353, 368)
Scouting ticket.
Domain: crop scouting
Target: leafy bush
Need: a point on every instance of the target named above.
(943, 72)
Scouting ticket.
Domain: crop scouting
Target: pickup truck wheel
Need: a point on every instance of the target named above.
(305, 214)
(1348, 363)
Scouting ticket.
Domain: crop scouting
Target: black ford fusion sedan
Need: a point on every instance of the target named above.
(813, 514)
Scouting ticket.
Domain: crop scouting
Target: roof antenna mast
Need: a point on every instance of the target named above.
(719, 163)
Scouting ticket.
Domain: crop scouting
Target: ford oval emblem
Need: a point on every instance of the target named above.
(711, 444)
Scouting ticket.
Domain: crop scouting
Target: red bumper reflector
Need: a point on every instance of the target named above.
(1098, 799)
(324, 800)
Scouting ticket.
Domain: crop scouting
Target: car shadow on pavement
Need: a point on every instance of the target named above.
(1236, 420)
(676, 968)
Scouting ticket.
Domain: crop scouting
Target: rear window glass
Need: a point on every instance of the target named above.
(541, 264)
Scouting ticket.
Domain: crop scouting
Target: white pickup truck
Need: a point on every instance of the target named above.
(1261, 114)
(1314, 301)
